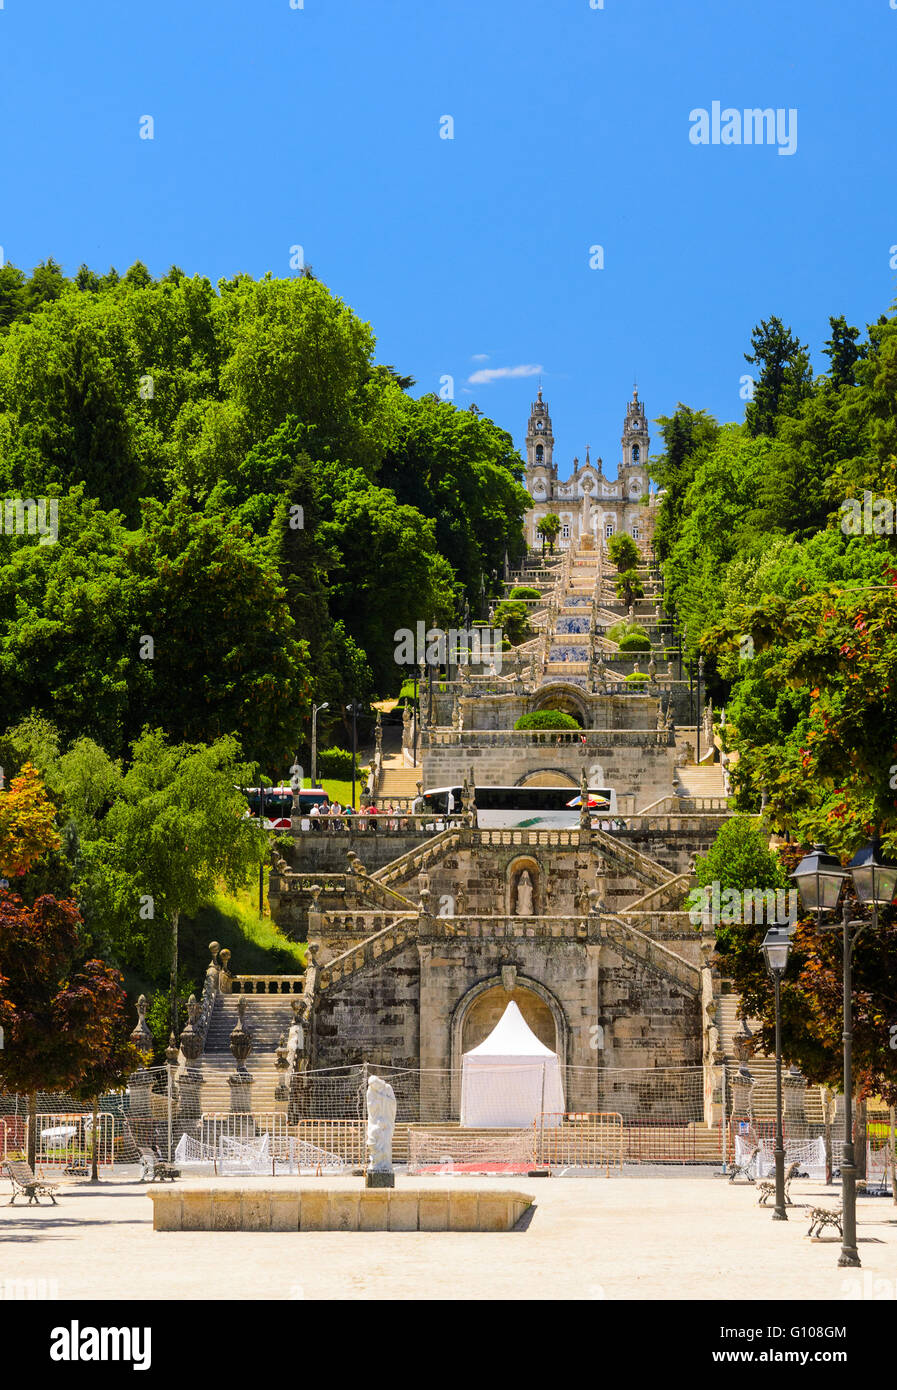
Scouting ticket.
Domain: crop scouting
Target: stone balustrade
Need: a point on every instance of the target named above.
(363, 923)
(266, 984)
(504, 738)
(511, 928)
(368, 952)
(383, 823)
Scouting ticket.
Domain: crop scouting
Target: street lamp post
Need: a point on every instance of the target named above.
(873, 880)
(353, 710)
(776, 945)
(698, 714)
(315, 711)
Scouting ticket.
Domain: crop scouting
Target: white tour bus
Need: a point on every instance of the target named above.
(526, 808)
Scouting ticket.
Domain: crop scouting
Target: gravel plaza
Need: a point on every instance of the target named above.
(684, 1234)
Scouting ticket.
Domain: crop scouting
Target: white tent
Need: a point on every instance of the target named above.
(511, 1078)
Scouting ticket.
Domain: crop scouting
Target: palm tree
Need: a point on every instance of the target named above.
(549, 529)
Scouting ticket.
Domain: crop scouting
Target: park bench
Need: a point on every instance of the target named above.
(824, 1216)
(745, 1169)
(25, 1183)
(156, 1169)
(768, 1188)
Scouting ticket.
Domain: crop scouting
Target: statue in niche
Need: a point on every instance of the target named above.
(524, 905)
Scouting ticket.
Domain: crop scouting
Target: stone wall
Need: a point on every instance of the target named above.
(633, 763)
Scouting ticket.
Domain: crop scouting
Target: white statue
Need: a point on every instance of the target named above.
(524, 895)
(381, 1106)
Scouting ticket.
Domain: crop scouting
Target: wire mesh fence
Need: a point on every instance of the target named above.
(319, 1123)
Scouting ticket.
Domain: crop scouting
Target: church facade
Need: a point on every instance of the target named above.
(590, 507)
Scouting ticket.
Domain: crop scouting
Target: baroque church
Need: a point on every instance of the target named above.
(590, 507)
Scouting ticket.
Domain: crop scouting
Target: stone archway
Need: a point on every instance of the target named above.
(478, 1011)
(486, 1010)
(568, 699)
(547, 777)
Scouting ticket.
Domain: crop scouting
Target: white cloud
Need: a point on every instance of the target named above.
(490, 374)
(480, 357)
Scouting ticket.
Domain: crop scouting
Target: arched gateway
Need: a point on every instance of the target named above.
(480, 1009)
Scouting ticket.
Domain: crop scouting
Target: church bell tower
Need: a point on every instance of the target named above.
(540, 442)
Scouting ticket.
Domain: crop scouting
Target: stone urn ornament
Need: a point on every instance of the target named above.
(191, 1038)
(241, 1037)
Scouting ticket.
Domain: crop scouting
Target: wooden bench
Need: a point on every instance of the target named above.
(25, 1183)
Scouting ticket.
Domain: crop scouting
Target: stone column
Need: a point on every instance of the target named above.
(240, 1080)
(191, 1078)
(282, 1063)
(743, 1082)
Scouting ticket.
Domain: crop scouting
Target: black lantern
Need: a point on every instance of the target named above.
(819, 876)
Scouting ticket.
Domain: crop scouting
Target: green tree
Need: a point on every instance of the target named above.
(175, 831)
(843, 352)
(623, 551)
(628, 587)
(784, 375)
(549, 528)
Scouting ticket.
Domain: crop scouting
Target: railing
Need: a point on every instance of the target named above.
(415, 859)
(383, 823)
(368, 952)
(579, 1141)
(365, 923)
(510, 928)
(523, 738)
(568, 838)
(66, 1140)
(343, 1138)
(669, 805)
(267, 984)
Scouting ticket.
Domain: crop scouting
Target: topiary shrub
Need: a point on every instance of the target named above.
(547, 719)
(634, 642)
(625, 629)
(524, 591)
(636, 678)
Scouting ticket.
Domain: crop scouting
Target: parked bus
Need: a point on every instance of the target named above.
(527, 808)
(278, 803)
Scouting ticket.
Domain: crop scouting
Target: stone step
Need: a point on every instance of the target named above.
(398, 781)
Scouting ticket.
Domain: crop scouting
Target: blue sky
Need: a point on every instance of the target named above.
(320, 127)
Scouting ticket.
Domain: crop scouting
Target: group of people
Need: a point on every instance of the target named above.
(332, 810)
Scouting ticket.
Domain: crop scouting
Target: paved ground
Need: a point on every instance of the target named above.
(687, 1236)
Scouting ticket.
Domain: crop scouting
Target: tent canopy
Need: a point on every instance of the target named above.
(511, 1037)
(511, 1078)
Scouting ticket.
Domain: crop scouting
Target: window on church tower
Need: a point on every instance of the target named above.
(608, 530)
(635, 453)
(636, 533)
(565, 532)
(539, 452)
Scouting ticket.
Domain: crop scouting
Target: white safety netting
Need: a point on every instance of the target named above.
(808, 1153)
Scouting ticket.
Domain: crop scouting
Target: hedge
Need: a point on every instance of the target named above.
(336, 763)
(547, 719)
(524, 591)
(634, 642)
(635, 677)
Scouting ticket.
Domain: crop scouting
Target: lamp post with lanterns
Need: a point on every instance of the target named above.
(872, 880)
(776, 946)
